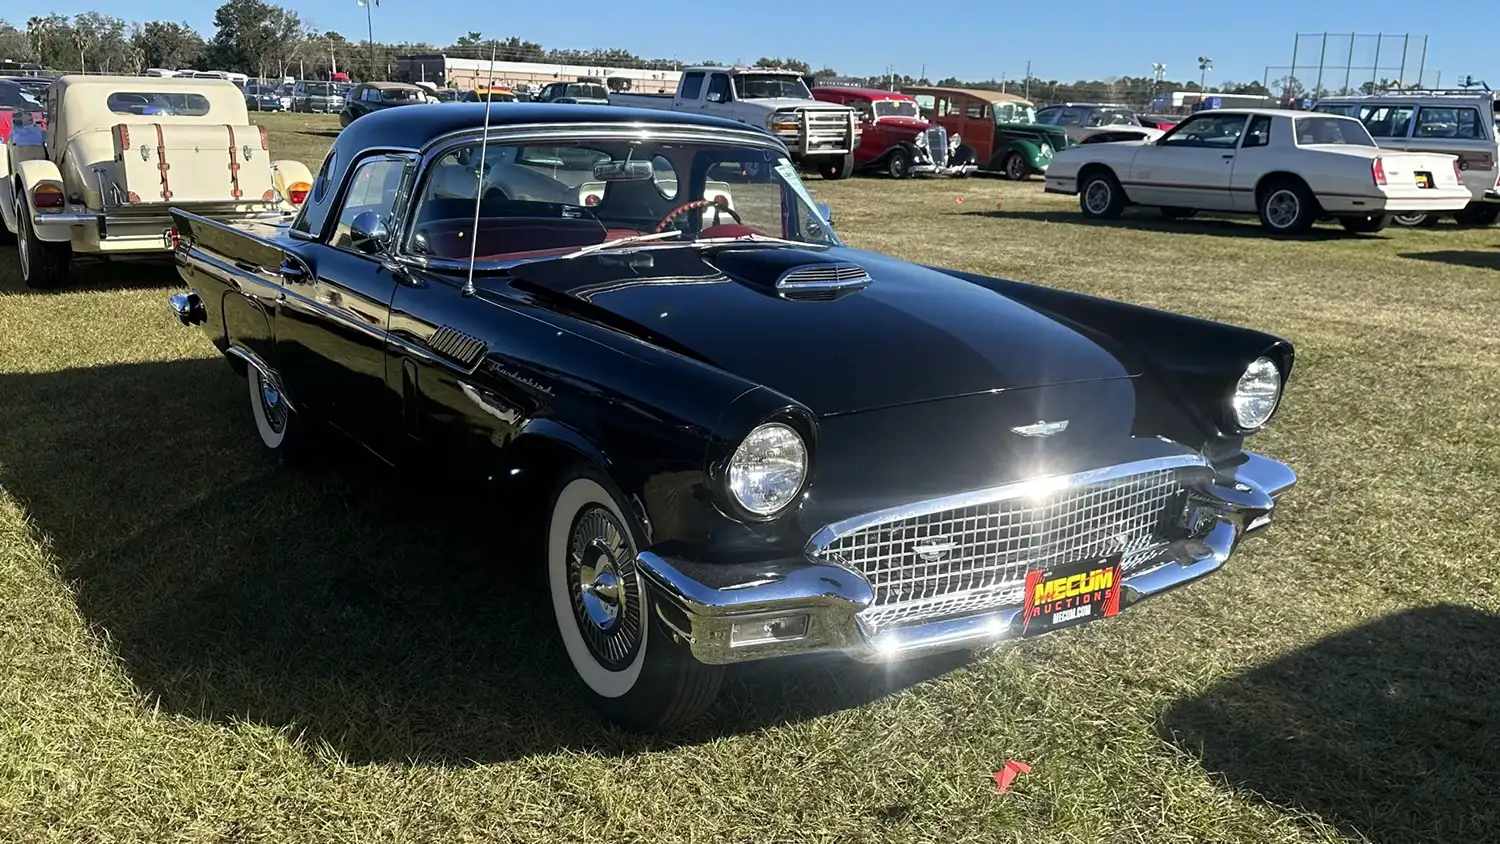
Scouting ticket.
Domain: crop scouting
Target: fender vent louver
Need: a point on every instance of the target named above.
(457, 346)
(822, 281)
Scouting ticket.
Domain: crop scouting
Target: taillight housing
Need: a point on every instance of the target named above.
(1377, 171)
(297, 192)
(47, 198)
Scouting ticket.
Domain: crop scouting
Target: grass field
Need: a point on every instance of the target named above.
(198, 645)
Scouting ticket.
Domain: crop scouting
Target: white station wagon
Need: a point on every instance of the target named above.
(1290, 167)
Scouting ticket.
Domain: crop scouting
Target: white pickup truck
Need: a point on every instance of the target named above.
(820, 136)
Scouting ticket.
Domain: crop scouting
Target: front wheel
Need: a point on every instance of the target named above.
(1420, 219)
(1016, 168)
(836, 168)
(1100, 196)
(1368, 224)
(898, 166)
(630, 666)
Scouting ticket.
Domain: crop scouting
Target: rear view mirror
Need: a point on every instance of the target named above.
(623, 171)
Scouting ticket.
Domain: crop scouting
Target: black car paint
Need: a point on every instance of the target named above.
(904, 390)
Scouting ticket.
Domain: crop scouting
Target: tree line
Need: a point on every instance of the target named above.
(265, 40)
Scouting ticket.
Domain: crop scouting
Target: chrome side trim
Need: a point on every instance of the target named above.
(252, 359)
(1046, 483)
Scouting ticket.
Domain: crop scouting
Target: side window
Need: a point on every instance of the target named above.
(1072, 117)
(692, 85)
(1048, 116)
(718, 88)
(927, 103)
(1259, 133)
(373, 186)
(1386, 121)
(973, 109)
(1215, 131)
(1448, 122)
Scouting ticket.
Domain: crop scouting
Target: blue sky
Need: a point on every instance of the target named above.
(1066, 39)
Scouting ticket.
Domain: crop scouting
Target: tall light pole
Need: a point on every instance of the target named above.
(1205, 64)
(370, 29)
(1158, 73)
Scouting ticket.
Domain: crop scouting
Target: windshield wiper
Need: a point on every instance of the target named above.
(757, 238)
(622, 241)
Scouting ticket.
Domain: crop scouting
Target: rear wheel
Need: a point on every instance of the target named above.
(629, 663)
(1287, 207)
(1368, 224)
(44, 264)
(1482, 215)
(1100, 196)
(1420, 219)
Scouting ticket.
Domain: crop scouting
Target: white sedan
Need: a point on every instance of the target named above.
(1290, 167)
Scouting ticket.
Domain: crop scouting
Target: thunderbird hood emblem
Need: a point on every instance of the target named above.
(1041, 428)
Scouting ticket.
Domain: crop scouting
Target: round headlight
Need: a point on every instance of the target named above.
(1256, 394)
(955, 141)
(1046, 150)
(768, 468)
(920, 140)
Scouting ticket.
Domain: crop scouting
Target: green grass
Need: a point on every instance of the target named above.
(198, 645)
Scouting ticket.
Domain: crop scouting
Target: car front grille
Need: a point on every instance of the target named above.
(974, 557)
(827, 129)
(937, 145)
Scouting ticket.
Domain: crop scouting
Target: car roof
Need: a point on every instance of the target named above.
(976, 93)
(384, 85)
(1271, 112)
(864, 93)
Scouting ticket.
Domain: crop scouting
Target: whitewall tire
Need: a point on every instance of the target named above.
(284, 432)
(627, 661)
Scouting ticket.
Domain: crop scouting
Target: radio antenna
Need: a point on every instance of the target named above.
(484, 145)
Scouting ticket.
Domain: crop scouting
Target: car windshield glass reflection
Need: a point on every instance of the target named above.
(770, 86)
(895, 108)
(542, 200)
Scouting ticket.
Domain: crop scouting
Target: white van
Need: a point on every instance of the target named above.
(1460, 123)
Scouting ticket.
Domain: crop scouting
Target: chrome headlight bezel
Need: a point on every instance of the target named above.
(1256, 395)
(767, 442)
(920, 141)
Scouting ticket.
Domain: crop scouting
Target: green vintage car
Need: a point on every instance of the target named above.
(1001, 128)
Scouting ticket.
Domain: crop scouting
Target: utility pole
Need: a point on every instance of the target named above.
(370, 30)
(1158, 73)
(1026, 94)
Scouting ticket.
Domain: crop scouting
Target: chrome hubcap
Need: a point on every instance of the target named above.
(1097, 196)
(274, 407)
(606, 590)
(1410, 219)
(1282, 209)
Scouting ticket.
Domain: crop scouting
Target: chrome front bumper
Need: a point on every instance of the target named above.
(747, 612)
(937, 170)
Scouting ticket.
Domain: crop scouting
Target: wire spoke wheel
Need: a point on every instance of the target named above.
(605, 588)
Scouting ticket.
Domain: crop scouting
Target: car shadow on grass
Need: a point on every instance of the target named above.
(1460, 258)
(1147, 220)
(381, 619)
(1389, 730)
(93, 275)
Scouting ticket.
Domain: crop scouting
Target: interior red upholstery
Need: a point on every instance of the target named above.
(727, 230)
(501, 239)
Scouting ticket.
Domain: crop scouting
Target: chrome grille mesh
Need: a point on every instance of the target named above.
(977, 556)
(937, 145)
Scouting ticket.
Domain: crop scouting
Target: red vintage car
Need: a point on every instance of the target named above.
(895, 139)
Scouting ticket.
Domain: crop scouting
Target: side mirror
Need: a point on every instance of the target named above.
(368, 234)
(826, 213)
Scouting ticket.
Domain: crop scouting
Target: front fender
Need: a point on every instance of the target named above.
(31, 174)
(287, 173)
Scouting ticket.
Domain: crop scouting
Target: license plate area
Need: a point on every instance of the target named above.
(1070, 595)
(1424, 179)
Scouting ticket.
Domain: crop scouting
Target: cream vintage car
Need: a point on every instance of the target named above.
(119, 152)
(1290, 167)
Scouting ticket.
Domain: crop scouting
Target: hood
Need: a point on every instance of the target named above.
(780, 103)
(903, 125)
(911, 334)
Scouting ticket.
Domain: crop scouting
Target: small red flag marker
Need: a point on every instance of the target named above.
(1007, 775)
(960, 199)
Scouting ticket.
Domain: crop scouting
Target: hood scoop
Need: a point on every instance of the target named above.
(793, 273)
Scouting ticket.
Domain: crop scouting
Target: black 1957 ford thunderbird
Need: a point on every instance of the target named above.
(743, 439)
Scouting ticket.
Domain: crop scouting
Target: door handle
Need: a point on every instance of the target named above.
(1228, 156)
(293, 272)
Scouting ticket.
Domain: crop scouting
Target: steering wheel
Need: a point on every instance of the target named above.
(698, 203)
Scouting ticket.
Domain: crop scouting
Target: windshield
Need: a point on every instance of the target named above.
(319, 89)
(1332, 130)
(896, 108)
(402, 95)
(261, 89)
(770, 86)
(1111, 117)
(550, 200)
(13, 97)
